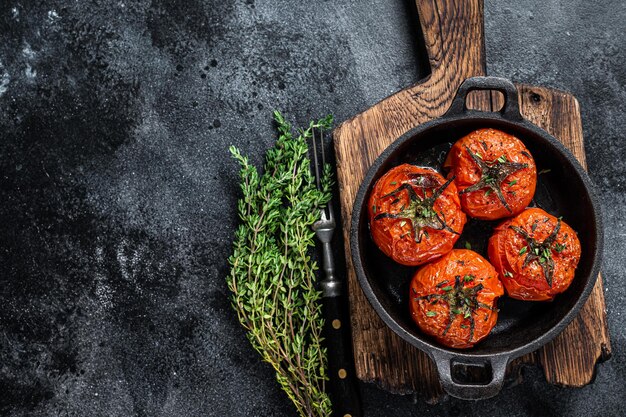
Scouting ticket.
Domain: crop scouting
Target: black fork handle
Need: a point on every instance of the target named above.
(343, 386)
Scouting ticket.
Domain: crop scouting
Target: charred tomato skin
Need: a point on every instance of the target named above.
(518, 188)
(432, 313)
(396, 237)
(528, 281)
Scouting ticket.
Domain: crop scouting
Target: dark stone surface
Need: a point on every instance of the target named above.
(118, 193)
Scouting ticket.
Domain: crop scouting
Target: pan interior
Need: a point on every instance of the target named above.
(560, 191)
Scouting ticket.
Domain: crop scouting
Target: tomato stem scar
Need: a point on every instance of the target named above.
(493, 174)
(420, 210)
(541, 251)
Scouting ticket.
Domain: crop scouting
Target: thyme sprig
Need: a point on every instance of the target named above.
(272, 276)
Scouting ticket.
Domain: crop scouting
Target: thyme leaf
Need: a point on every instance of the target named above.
(534, 226)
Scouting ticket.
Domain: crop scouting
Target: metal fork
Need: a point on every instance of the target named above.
(325, 228)
(343, 391)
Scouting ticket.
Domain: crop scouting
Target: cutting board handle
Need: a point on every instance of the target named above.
(454, 36)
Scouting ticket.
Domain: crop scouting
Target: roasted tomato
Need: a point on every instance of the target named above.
(495, 174)
(535, 254)
(415, 214)
(454, 298)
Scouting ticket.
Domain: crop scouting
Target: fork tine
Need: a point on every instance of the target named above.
(322, 146)
(326, 212)
(329, 206)
(317, 165)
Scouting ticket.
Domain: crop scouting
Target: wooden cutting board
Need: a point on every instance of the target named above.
(454, 38)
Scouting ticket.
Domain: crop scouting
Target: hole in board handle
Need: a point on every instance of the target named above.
(482, 100)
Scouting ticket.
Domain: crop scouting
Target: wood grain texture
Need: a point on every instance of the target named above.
(570, 359)
(453, 32)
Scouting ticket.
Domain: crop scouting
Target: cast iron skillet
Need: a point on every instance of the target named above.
(522, 326)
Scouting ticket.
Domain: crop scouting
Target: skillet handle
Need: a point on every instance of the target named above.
(472, 391)
(510, 110)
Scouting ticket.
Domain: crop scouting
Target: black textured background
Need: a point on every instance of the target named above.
(118, 194)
